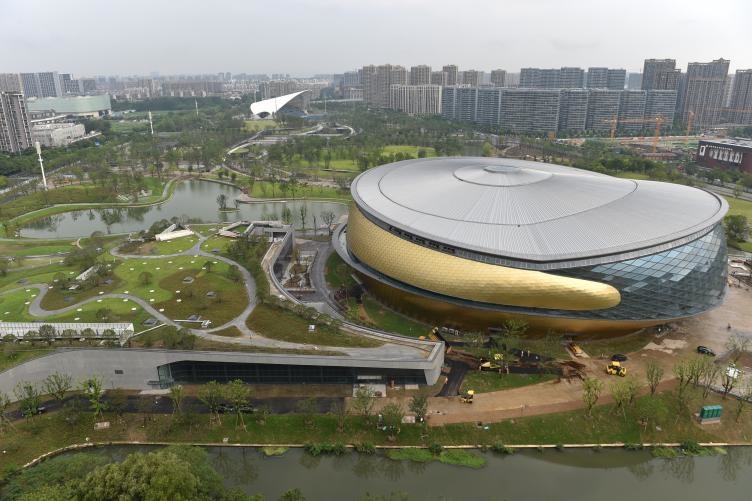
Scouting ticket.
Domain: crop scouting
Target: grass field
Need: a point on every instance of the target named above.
(666, 423)
(393, 149)
(743, 208)
(42, 274)
(216, 242)
(337, 272)
(285, 326)
(86, 193)
(388, 320)
(169, 247)
(264, 189)
(483, 382)
(33, 247)
(257, 125)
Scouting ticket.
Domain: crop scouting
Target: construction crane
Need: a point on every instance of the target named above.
(658, 121)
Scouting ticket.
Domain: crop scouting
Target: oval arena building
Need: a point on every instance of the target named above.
(472, 242)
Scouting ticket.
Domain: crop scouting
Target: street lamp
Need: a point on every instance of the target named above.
(41, 163)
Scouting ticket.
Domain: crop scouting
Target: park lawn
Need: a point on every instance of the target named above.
(389, 320)
(229, 302)
(23, 248)
(483, 382)
(739, 206)
(22, 354)
(54, 299)
(176, 246)
(39, 275)
(393, 149)
(128, 126)
(205, 229)
(85, 193)
(337, 272)
(231, 331)
(14, 307)
(284, 325)
(264, 189)
(216, 243)
(608, 345)
(257, 125)
(120, 310)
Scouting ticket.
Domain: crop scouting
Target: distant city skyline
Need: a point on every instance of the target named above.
(306, 37)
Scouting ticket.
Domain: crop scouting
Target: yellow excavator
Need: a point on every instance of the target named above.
(467, 397)
(616, 369)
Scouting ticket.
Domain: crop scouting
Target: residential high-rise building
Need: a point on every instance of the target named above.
(603, 109)
(451, 74)
(652, 71)
(632, 110)
(377, 82)
(449, 103)
(728, 90)
(471, 78)
(704, 92)
(740, 105)
(573, 107)
(368, 81)
(617, 78)
(634, 81)
(15, 133)
(466, 103)
(498, 78)
(530, 110)
(488, 107)
(661, 103)
(571, 78)
(597, 78)
(9, 82)
(44, 84)
(420, 75)
(437, 78)
(416, 99)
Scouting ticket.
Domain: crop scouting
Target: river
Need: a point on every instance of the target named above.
(194, 199)
(606, 475)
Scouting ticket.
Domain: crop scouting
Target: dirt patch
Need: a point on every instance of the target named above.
(667, 345)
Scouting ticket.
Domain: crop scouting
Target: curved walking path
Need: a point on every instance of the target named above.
(250, 338)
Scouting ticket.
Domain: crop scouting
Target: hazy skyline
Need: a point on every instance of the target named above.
(303, 37)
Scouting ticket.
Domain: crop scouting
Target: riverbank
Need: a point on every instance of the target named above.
(650, 420)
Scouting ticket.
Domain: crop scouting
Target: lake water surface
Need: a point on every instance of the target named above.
(193, 199)
(607, 475)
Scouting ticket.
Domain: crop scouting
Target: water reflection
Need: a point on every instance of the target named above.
(622, 475)
(192, 200)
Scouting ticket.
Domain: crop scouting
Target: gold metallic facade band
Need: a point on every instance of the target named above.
(437, 312)
(458, 277)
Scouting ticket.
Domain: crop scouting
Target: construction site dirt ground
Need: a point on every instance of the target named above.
(710, 329)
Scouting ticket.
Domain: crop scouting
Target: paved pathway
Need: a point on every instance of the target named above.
(250, 338)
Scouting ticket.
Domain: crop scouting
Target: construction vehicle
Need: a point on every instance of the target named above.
(467, 397)
(616, 369)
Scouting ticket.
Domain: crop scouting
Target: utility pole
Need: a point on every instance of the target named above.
(151, 125)
(41, 164)
(195, 101)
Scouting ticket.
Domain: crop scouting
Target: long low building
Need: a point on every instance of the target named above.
(54, 135)
(141, 369)
(83, 106)
(475, 241)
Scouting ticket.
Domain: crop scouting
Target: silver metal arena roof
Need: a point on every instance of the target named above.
(532, 211)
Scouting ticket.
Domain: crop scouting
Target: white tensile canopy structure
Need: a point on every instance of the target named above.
(270, 107)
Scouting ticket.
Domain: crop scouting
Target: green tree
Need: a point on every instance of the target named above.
(92, 388)
(47, 332)
(363, 401)
(145, 278)
(238, 393)
(175, 473)
(292, 495)
(737, 227)
(4, 406)
(591, 392)
(176, 395)
(419, 406)
(222, 201)
(654, 374)
(57, 385)
(208, 266)
(392, 415)
(29, 398)
(211, 395)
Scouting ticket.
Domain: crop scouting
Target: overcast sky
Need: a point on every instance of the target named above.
(303, 37)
